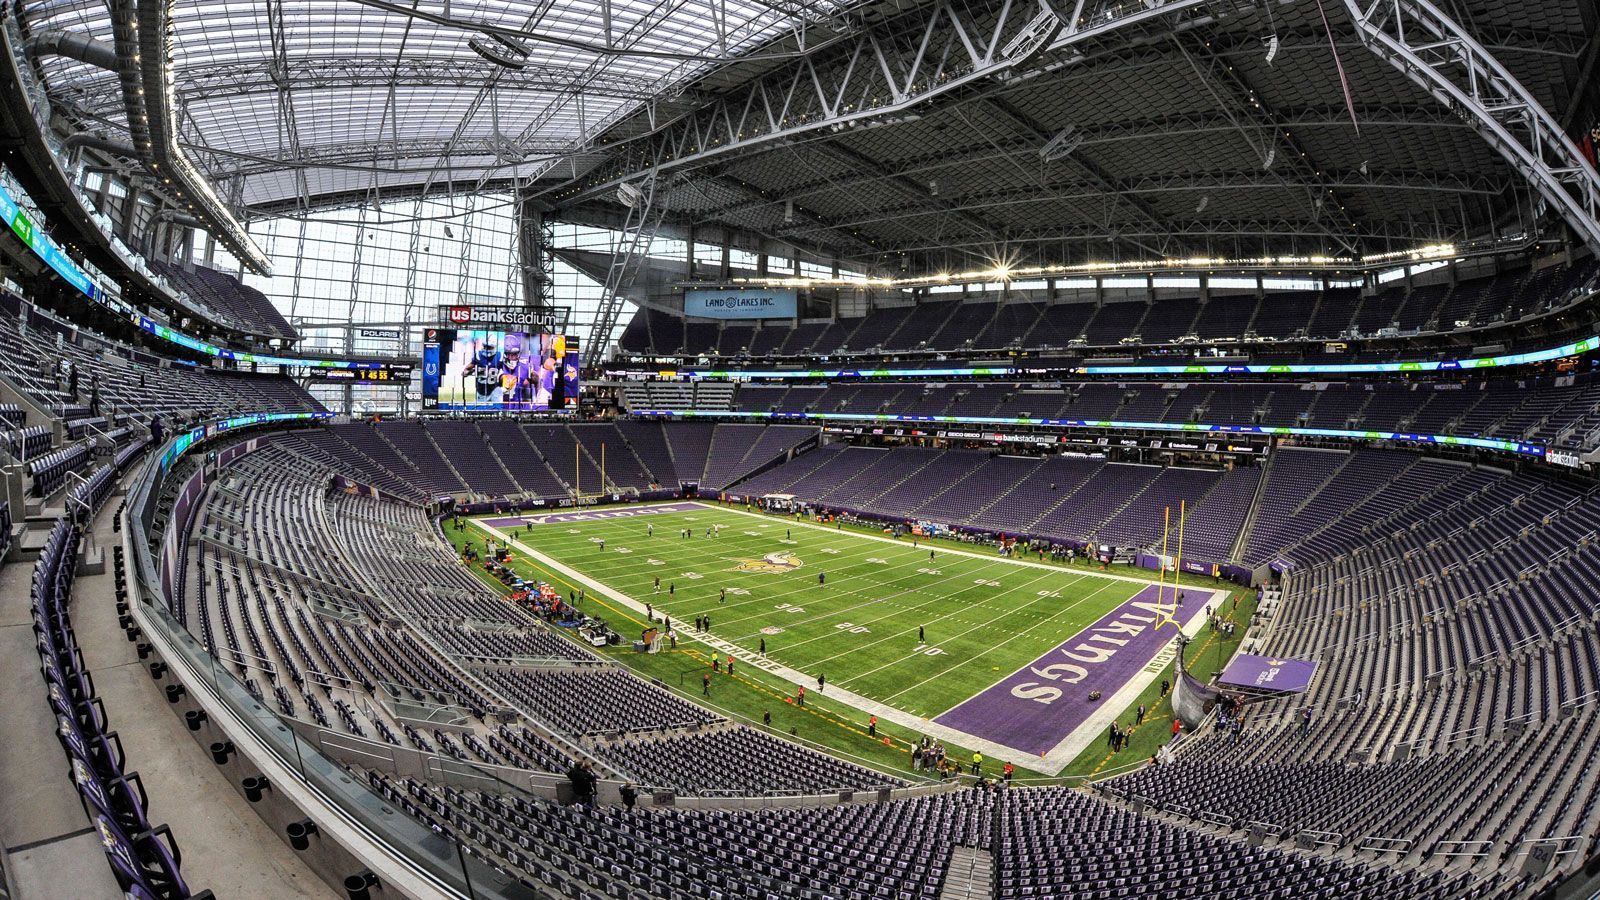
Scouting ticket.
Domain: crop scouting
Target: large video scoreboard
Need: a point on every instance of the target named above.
(493, 371)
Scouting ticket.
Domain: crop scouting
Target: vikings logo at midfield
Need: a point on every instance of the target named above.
(781, 561)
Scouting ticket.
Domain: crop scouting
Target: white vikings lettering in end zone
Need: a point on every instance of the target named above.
(1085, 654)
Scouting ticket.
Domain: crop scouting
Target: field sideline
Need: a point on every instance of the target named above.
(985, 617)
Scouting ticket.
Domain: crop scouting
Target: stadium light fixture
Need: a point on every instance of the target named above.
(1005, 271)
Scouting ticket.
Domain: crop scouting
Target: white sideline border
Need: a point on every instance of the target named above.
(1057, 759)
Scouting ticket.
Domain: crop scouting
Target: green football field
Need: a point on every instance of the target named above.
(983, 616)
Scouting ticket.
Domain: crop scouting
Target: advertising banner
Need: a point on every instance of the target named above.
(552, 320)
(1269, 673)
(766, 303)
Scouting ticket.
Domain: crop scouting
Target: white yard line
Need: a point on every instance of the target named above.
(883, 711)
(957, 612)
(869, 601)
(977, 656)
(846, 559)
(1052, 762)
(953, 550)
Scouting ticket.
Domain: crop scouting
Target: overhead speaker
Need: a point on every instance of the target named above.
(1062, 145)
(498, 52)
(1033, 39)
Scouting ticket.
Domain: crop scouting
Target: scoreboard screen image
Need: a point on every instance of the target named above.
(477, 370)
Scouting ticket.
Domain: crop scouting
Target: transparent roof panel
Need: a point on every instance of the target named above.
(290, 85)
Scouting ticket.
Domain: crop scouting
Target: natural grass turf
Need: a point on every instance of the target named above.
(986, 616)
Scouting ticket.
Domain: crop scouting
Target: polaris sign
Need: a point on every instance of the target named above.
(506, 318)
(767, 303)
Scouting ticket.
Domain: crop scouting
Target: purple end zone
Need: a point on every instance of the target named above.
(586, 515)
(1042, 703)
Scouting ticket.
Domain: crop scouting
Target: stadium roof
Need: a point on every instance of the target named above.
(886, 134)
(312, 98)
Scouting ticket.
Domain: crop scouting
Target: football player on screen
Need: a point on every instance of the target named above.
(545, 389)
(486, 369)
(514, 373)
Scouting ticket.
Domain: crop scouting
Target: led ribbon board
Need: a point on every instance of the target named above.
(207, 431)
(44, 248)
(37, 241)
(1517, 447)
(1438, 365)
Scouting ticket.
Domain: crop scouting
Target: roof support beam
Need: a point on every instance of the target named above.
(916, 190)
(1276, 150)
(1251, 180)
(1089, 171)
(628, 253)
(1091, 239)
(1428, 47)
(1199, 123)
(877, 78)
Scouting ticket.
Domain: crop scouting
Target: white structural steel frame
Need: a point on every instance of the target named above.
(872, 79)
(628, 253)
(878, 78)
(1432, 50)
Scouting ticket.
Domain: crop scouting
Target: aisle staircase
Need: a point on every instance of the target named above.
(969, 875)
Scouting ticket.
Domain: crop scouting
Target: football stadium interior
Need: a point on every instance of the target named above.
(800, 449)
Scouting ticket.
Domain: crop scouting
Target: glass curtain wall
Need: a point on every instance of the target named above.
(391, 265)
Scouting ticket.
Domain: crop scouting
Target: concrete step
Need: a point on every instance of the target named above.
(969, 875)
